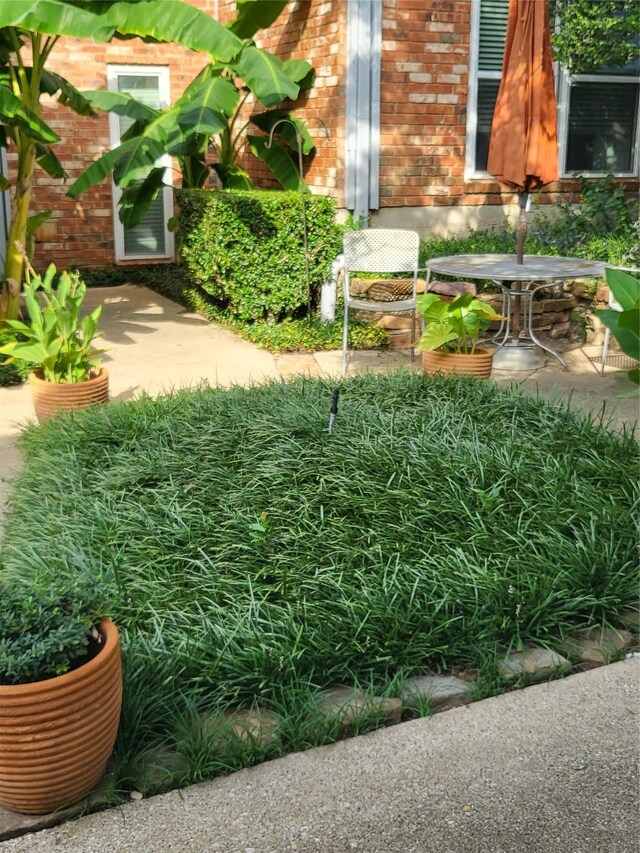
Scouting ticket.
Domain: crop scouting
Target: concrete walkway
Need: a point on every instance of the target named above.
(551, 768)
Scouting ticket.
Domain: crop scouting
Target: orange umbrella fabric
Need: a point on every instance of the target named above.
(523, 149)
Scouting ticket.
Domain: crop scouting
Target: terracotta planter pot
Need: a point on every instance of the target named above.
(52, 397)
(478, 364)
(56, 735)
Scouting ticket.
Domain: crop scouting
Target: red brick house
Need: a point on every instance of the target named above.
(400, 110)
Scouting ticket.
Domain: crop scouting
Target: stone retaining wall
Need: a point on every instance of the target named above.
(564, 312)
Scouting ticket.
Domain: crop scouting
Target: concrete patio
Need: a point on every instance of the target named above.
(550, 768)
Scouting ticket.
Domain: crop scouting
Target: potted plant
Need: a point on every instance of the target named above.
(451, 332)
(60, 695)
(59, 344)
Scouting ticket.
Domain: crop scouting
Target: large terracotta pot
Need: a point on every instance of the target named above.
(52, 397)
(56, 735)
(477, 364)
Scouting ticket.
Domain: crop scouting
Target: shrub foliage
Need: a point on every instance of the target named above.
(246, 250)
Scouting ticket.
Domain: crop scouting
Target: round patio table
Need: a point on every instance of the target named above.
(515, 340)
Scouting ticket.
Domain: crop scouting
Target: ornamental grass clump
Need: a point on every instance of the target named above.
(250, 558)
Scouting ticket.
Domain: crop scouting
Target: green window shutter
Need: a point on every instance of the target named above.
(493, 30)
(602, 125)
(487, 94)
(149, 236)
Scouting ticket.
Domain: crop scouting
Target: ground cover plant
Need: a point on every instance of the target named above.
(249, 557)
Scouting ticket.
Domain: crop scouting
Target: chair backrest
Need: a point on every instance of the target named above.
(381, 250)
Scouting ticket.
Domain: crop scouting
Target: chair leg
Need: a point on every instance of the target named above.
(605, 350)
(345, 338)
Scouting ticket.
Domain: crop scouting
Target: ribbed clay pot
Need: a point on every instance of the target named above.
(477, 364)
(56, 735)
(52, 397)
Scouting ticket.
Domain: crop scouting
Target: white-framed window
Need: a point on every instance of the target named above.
(151, 237)
(598, 114)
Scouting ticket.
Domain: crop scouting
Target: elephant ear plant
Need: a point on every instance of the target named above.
(55, 339)
(453, 326)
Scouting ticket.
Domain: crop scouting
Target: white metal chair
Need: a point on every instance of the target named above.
(615, 306)
(380, 250)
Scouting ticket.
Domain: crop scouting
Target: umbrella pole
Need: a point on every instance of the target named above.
(523, 197)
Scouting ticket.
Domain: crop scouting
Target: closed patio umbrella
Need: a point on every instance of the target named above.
(523, 148)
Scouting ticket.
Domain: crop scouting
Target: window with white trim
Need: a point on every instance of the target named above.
(151, 237)
(598, 121)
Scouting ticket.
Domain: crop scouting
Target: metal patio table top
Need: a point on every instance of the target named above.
(504, 267)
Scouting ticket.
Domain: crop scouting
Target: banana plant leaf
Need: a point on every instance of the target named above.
(265, 76)
(12, 107)
(55, 18)
(232, 177)
(48, 161)
(137, 197)
(265, 121)
(254, 15)
(171, 21)
(120, 103)
(278, 161)
(51, 83)
(300, 71)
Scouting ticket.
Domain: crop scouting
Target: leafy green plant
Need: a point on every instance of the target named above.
(56, 340)
(589, 36)
(209, 116)
(601, 213)
(12, 372)
(302, 336)
(625, 324)
(246, 249)
(44, 630)
(453, 326)
(29, 32)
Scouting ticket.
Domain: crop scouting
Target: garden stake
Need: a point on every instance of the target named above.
(333, 411)
(302, 198)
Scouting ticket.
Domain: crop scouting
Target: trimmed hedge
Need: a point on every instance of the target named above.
(246, 249)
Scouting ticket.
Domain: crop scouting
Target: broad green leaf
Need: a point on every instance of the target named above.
(48, 161)
(51, 83)
(625, 287)
(263, 74)
(279, 162)
(4, 183)
(137, 198)
(628, 339)
(254, 15)
(265, 121)
(173, 21)
(34, 222)
(53, 18)
(300, 71)
(130, 153)
(12, 108)
(202, 120)
(436, 336)
(120, 103)
(209, 91)
(232, 177)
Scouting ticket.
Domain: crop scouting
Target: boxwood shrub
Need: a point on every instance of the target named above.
(246, 249)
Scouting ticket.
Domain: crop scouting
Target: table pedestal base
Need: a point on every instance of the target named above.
(512, 356)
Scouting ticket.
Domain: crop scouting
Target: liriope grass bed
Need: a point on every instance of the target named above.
(250, 558)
